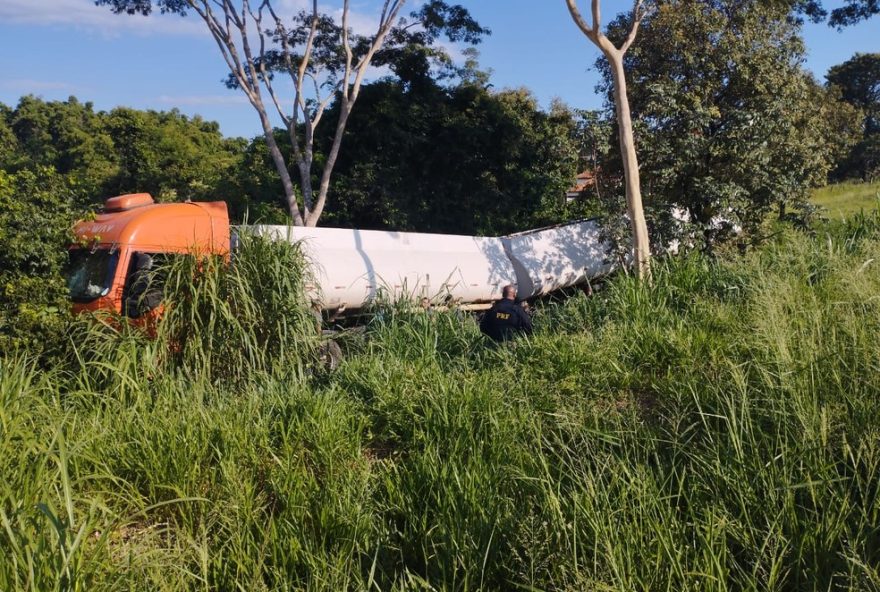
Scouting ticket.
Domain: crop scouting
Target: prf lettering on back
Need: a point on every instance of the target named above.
(502, 315)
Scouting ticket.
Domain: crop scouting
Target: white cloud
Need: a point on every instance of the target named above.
(84, 14)
(202, 100)
(363, 19)
(26, 85)
(290, 7)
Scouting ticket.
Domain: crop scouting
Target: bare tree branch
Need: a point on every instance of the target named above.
(390, 10)
(314, 50)
(580, 22)
(248, 79)
(293, 121)
(264, 75)
(347, 46)
(227, 47)
(637, 15)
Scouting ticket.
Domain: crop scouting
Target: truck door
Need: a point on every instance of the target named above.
(145, 283)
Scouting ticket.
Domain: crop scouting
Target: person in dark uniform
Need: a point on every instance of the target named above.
(506, 319)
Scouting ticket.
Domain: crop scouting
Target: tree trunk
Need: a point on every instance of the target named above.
(345, 110)
(281, 166)
(305, 183)
(641, 245)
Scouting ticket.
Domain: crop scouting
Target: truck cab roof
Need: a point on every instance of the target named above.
(135, 220)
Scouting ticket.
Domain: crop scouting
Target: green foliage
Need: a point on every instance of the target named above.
(124, 151)
(257, 194)
(8, 141)
(858, 78)
(713, 430)
(324, 54)
(36, 215)
(67, 136)
(232, 321)
(854, 11)
(475, 161)
(858, 81)
(727, 121)
(169, 155)
(461, 159)
(849, 13)
(843, 200)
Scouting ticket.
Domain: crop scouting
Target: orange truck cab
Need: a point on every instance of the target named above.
(126, 238)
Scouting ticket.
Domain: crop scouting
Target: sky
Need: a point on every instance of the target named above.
(58, 48)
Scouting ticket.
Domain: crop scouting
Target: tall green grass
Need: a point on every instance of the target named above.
(716, 430)
(220, 322)
(843, 200)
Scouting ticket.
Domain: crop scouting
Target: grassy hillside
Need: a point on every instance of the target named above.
(845, 199)
(718, 430)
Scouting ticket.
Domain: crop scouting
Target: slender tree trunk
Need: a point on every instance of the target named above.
(305, 182)
(641, 245)
(281, 166)
(324, 187)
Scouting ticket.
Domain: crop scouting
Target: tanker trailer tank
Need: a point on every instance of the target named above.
(352, 267)
(548, 259)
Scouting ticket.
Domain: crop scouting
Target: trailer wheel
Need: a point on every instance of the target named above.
(330, 355)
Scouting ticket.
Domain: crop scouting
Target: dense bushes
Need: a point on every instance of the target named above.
(121, 151)
(36, 211)
(716, 430)
(223, 323)
(423, 157)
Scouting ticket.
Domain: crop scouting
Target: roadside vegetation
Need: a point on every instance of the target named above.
(715, 430)
(843, 200)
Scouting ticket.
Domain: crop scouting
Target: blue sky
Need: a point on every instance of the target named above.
(58, 48)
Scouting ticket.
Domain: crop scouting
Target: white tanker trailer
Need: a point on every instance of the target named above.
(352, 268)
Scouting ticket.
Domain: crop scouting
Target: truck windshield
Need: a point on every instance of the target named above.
(90, 273)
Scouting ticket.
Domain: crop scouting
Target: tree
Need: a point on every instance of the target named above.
(36, 214)
(459, 159)
(852, 12)
(68, 136)
(858, 81)
(323, 60)
(123, 151)
(614, 55)
(254, 185)
(9, 149)
(593, 133)
(731, 126)
(169, 155)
